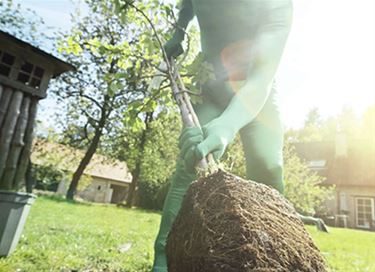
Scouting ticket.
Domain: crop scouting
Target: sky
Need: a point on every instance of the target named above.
(328, 63)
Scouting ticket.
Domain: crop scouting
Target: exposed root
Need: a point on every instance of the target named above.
(229, 224)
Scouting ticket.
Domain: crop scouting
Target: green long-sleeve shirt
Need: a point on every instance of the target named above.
(225, 22)
(244, 40)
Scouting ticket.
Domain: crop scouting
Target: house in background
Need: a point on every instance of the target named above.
(106, 180)
(109, 181)
(350, 166)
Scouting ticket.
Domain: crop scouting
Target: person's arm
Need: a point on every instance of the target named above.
(185, 15)
(173, 46)
(251, 97)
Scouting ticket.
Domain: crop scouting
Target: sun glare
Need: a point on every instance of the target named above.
(329, 61)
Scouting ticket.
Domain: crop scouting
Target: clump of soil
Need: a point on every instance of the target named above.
(230, 224)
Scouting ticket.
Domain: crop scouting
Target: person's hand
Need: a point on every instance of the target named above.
(173, 47)
(189, 139)
(217, 136)
(195, 144)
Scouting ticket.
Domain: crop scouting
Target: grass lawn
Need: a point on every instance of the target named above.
(62, 236)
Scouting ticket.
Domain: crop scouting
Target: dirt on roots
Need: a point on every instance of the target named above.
(229, 224)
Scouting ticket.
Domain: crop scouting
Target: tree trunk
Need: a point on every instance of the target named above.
(28, 139)
(29, 181)
(137, 170)
(17, 144)
(134, 183)
(83, 164)
(7, 132)
(1, 91)
(4, 103)
(87, 157)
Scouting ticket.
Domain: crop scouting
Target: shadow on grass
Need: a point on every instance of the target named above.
(144, 210)
(62, 199)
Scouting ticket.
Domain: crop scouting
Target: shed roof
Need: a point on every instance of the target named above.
(60, 65)
(67, 158)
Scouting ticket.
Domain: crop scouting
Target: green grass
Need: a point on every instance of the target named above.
(347, 250)
(63, 236)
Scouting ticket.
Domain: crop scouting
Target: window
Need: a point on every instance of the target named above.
(343, 203)
(365, 212)
(317, 164)
(30, 75)
(6, 62)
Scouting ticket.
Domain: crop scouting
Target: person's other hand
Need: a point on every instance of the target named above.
(189, 139)
(173, 48)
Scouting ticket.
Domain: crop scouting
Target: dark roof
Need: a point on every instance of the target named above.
(61, 66)
(355, 169)
(315, 150)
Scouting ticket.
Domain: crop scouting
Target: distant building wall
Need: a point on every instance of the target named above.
(97, 191)
(119, 193)
(104, 191)
(357, 203)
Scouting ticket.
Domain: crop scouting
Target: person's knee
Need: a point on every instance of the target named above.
(159, 246)
(181, 176)
(270, 174)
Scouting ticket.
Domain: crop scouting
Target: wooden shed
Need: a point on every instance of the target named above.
(25, 72)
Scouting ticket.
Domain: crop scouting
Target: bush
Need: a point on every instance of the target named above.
(46, 177)
(152, 194)
(303, 187)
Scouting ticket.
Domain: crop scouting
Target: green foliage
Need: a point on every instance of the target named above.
(116, 52)
(46, 177)
(367, 130)
(161, 148)
(317, 128)
(302, 184)
(116, 49)
(233, 159)
(158, 158)
(53, 163)
(151, 194)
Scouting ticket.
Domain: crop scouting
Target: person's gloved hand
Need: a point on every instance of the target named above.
(173, 47)
(217, 136)
(196, 144)
(189, 139)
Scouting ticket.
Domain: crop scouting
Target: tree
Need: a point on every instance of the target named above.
(348, 123)
(302, 185)
(152, 18)
(161, 152)
(116, 56)
(150, 154)
(367, 130)
(95, 94)
(311, 131)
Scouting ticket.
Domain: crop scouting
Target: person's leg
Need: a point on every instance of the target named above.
(262, 141)
(180, 182)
